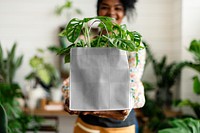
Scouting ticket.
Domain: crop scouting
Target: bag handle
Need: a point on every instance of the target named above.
(97, 20)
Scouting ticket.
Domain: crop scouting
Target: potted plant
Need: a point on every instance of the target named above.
(92, 53)
(118, 36)
(166, 76)
(10, 91)
(194, 49)
(43, 72)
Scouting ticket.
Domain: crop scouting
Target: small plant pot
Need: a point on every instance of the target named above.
(56, 94)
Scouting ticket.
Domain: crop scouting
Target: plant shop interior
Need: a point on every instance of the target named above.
(32, 72)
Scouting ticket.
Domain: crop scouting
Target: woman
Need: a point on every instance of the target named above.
(114, 121)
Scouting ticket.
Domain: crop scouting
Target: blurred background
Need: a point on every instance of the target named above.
(170, 29)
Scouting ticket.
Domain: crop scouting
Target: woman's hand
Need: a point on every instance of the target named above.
(66, 108)
(118, 114)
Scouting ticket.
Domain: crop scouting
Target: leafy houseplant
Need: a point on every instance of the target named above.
(10, 91)
(117, 35)
(9, 66)
(166, 76)
(194, 49)
(43, 73)
(187, 125)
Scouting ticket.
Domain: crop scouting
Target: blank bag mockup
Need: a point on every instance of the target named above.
(99, 79)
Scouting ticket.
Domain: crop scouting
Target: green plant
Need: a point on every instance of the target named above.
(3, 120)
(166, 76)
(117, 35)
(194, 49)
(10, 91)
(43, 73)
(9, 66)
(187, 125)
(68, 5)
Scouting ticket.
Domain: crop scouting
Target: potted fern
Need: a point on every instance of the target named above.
(99, 61)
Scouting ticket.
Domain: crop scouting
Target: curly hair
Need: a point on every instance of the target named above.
(129, 7)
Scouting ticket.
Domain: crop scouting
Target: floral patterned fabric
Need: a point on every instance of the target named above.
(137, 98)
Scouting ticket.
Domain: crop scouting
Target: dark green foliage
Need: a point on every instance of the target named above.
(187, 125)
(117, 35)
(194, 49)
(17, 120)
(3, 120)
(10, 91)
(166, 76)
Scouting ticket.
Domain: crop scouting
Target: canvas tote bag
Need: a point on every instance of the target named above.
(99, 79)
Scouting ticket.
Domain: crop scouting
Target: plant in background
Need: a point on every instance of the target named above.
(43, 73)
(194, 49)
(187, 125)
(153, 115)
(68, 5)
(9, 66)
(10, 91)
(3, 120)
(70, 10)
(166, 76)
(117, 35)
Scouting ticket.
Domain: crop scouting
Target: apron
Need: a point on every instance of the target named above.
(82, 127)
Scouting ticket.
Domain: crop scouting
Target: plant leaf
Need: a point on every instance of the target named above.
(73, 29)
(3, 120)
(195, 49)
(196, 85)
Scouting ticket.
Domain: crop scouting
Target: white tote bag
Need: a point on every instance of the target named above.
(99, 79)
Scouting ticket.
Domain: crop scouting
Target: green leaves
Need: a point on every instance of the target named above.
(43, 72)
(36, 61)
(110, 35)
(73, 30)
(10, 64)
(195, 49)
(187, 125)
(196, 85)
(3, 120)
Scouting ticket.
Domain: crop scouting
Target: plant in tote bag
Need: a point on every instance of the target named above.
(99, 75)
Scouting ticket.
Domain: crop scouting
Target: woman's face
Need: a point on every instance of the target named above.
(113, 9)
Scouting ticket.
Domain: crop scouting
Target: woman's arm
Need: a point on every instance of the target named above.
(136, 71)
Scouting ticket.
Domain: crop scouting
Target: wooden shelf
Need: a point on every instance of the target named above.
(42, 112)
